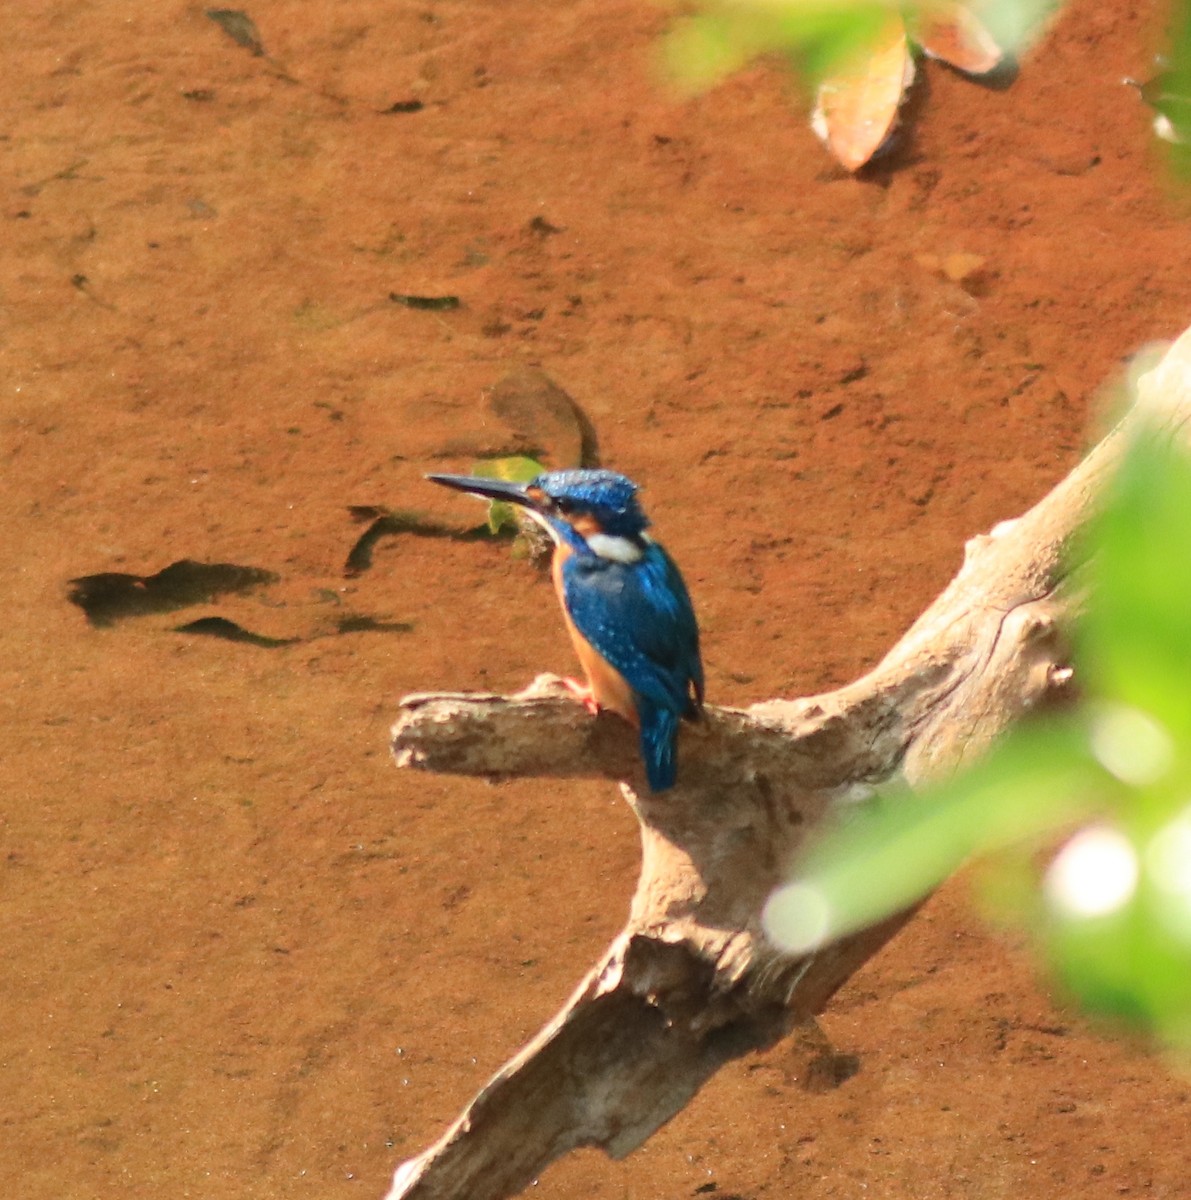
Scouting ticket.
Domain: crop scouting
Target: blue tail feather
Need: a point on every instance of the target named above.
(659, 739)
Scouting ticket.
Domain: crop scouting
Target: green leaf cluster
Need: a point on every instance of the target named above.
(817, 37)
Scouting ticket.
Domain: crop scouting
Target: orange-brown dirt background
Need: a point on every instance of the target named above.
(243, 955)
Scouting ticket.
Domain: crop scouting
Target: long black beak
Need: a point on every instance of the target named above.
(489, 489)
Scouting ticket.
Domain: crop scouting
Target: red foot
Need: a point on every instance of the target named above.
(583, 694)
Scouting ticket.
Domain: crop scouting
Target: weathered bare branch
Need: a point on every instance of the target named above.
(692, 982)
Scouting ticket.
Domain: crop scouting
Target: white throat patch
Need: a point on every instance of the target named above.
(618, 549)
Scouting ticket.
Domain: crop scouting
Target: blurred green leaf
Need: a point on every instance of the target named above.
(1013, 23)
(819, 37)
(515, 469)
(726, 35)
(1135, 642)
(1169, 92)
(1041, 778)
(1130, 962)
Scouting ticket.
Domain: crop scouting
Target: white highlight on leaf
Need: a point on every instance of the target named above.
(1130, 744)
(1094, 875)
(1015, 24)
(1168, 867)
(797, 918)
(1164, 128)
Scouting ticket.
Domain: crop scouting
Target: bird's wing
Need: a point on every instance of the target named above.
(639, 617)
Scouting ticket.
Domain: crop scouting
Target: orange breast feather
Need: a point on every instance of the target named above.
(606, 682)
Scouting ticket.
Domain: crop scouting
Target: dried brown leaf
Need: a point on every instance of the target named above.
(953, 34)
(856, 110)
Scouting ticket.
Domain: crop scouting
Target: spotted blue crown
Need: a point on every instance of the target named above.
(610, 498)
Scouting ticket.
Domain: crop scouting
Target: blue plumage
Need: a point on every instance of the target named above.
(604, 493)
(626, 604)
(638, 617)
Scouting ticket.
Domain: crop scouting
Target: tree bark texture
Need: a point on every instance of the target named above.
(692, 982)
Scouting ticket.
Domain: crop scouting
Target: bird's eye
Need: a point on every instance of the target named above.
(563, 506)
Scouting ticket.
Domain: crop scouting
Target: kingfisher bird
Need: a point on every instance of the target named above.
(624, 601)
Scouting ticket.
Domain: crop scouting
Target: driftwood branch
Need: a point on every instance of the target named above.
(691, 982)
